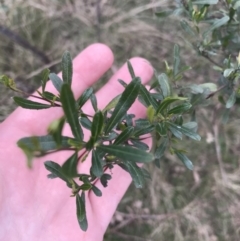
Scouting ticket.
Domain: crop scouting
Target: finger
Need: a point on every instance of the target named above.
(88, 67)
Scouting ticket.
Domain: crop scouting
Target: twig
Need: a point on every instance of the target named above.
(216, 91)
(25, 44)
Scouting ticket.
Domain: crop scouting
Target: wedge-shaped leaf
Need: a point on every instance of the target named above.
(56, 81)
(86, 186)
(146, 96)
(69, 168)
(96, 168)
(94, 101)
(97, 125)
(55, 129)
(184, 159)
(164, 85)
(231, 100)
(125, 135)
(127, 153)
(167, 102)
(29, 104)
(176, 59)
(44, 78)
(142, 123)
(180, 108)
(176, 130)
(84, 97)
(216, 24)
(70, 111)
(56, 171)
(136, 174)
(105, 178)
(112, 104)
(42, 143)
(161, 129)
(67, 68)
(128, 97)
(202, 2)
(96, 191)
(130, 69)
(81, 211)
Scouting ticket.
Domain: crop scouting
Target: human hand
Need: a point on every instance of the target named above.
(33, 207)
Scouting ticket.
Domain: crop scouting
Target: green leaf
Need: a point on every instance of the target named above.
(192, 125)
(29, 104)
(160, 151)
(112, 104)
(96, 168)
(130, 69)
(86, 186)
(127, 153)
(123, 83)
(105, 178)
(128, 97)
(57, 82)
(140, 145)
(85, 122)
(56, 170)
(96, 191)
(81, 212)
(176, 59)
(55, 129)
(94, 102)
(136, 174)
(161, 129)
(42, 143)
(143, 131)
(69, 167)
(97, 125)
(175, 130)
(146, 96)
(164, 85)
(44, 77)
(67, 68)
(167, 101)
(180, 108)
(203, 2)
(84, 97)
(50, 96)
(228, 72)
(216, 24)
(124, 135)
(69, 108)
(231, 100)
(184, 24)
(184, 159)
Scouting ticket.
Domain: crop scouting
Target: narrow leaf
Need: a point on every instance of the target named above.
(160, 151)
(44, 77)
(81, 212)
(57, 82)
(125, 135)
(84, 97)
(69, 108)
(96, 191)
(130, 69)
(148, 99)
(83, 223)
(29, 104)
(67, 68)
(180, 108)
(185, 160)
(231, 100)
(125, 102)
(94, 101)
(161, 129)
(96, 168)
(97, 125)
(176, 59)
(127, 153)
(112, 104)
(164, 85)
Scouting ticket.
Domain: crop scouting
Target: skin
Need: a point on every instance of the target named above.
(33, 207)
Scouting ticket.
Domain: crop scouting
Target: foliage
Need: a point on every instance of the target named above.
(210, 28)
